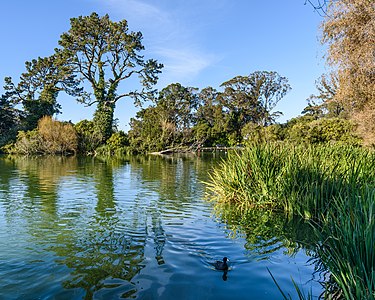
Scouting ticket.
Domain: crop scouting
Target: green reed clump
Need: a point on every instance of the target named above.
(299, 179)
(347, 249)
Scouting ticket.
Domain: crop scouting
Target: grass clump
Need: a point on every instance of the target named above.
(299, 179)
(347, 249)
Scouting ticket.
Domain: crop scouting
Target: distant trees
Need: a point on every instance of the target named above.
(252, 99)
(182, 116)
(167, 123)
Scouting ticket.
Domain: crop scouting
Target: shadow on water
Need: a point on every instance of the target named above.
(98, 223)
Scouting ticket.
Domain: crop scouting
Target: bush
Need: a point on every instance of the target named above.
(57, 137)
(87, 140)
(28, 142)
(117, 144)
(324, 130)
(51, 137)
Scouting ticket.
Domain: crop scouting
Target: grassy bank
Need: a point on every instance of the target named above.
(332, 185)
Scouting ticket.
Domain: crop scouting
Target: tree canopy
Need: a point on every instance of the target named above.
(38, 88)
(105, 53)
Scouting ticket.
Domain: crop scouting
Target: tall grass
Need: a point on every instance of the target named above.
(298, 179)
(333, 185)
(348, 247)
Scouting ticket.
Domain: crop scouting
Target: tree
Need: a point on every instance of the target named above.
(168, 123)
(211, 121)
(105, 54)
(39, 86)
(239, 105)
(252, 99)
(268, 88)
(9, 119)
(176, 108)
(319, 5)
(148, 132)
(325, 104)
(349, 32)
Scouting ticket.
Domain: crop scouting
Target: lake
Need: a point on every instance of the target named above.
(139, 227)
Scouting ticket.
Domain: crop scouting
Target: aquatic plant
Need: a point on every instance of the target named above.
(348, 241)
(299, 179)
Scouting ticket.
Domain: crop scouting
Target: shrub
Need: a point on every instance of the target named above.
(324, 130)
(117, 144)
(28, 142)
(50, 137)
(57, 137)
(87, 140)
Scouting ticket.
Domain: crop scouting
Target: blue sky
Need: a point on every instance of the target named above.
(200, 42)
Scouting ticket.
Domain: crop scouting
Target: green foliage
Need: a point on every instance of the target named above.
(87, 140)
(332, 185)
(325, 130)
(39, 86)
(105, 53)
(117, 144)
(28, 142)
(9, 120)
(168, 123)
(252, 98)
(118, 139)
(211, 121)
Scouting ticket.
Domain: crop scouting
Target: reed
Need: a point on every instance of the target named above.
(348, 247)
(298, 179)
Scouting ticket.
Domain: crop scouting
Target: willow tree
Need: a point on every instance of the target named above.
(106, 53)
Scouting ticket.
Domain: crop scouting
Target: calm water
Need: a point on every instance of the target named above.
(137, 229)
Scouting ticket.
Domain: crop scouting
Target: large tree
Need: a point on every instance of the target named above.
(268, 88)
(169, 122)
(106, 53)
(39, 86)
(211, 121)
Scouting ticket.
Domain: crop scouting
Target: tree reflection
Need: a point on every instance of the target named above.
(267, 231)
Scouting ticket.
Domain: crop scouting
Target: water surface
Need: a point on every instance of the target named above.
(137, 228)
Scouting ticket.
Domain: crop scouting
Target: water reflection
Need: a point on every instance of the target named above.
(267, 231)
(135, 227)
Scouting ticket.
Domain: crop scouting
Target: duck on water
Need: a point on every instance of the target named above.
(222, 265)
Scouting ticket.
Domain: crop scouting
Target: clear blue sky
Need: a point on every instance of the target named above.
(200, 42)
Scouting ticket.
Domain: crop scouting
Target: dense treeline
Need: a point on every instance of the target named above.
(97, 55)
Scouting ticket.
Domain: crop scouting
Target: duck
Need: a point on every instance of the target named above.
(222, 265)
